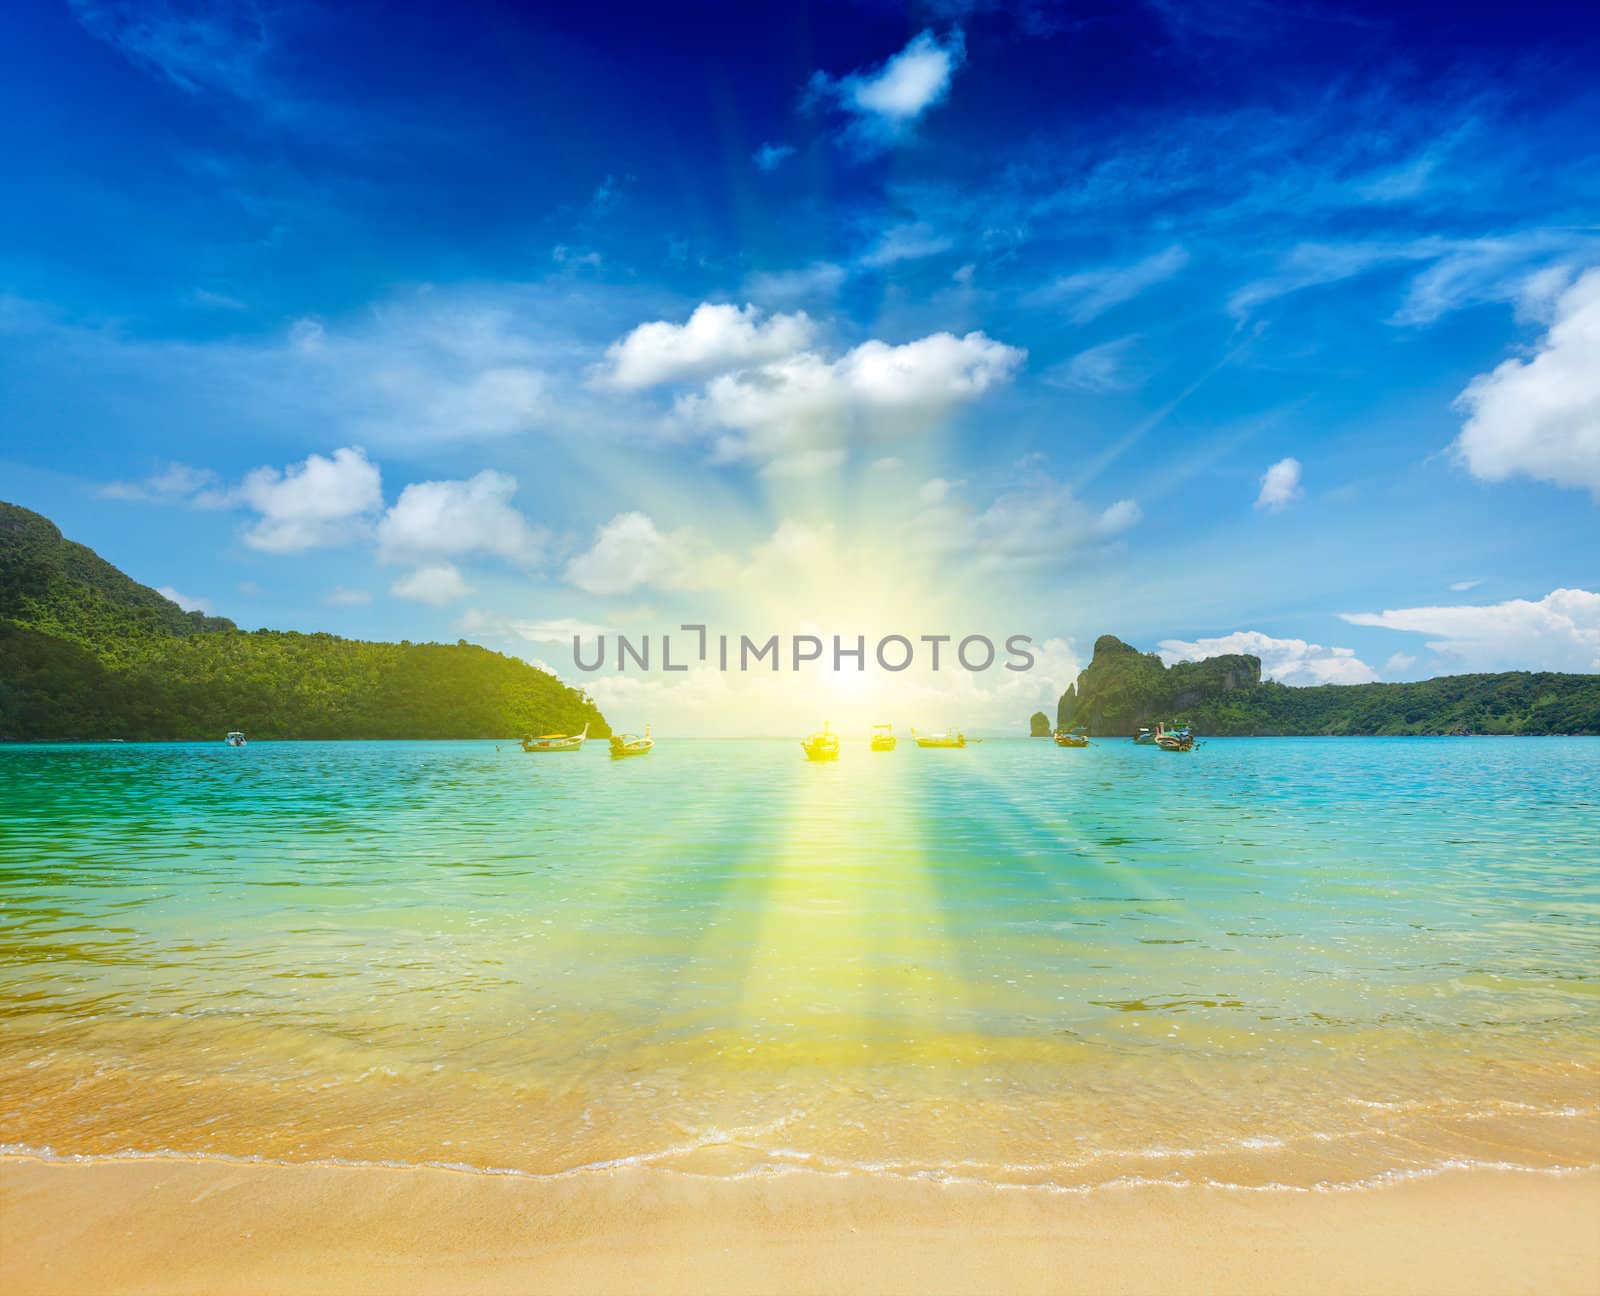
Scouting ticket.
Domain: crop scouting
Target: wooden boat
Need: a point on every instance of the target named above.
(234, 739)
(556, 742)
(1145, 738)
(1072, 737)
(623, 745)
(822, 745)
(940, 739)
(1180, 739)
(883, 738)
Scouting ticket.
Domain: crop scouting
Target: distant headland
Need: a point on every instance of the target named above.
(1123, 689)
(88, 652)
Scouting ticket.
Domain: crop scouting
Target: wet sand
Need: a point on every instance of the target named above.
(182, 1226)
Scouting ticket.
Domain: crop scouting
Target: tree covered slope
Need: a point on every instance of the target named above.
(1122, 689)
(87, 652)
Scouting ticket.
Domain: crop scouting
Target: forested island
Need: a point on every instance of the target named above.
(1123, 689)
(88, 652)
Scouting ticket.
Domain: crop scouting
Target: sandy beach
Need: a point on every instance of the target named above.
(176, 1226)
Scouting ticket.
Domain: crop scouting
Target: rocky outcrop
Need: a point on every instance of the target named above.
(1123, 689)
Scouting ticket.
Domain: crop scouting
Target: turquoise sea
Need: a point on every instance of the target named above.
(1296, 962)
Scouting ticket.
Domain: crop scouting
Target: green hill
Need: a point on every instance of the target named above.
(1123, 689)
(87, 652)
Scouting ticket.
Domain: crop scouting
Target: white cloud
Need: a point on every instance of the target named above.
(313, 504)
(806, 402)
(1289, 661)
(1090, 293)
(425, 370)
(910, 242)
(175, 484)
(1310, 265)
(1098, 369)
(936, 490)
(429, 367)
(769, 157)
(1280, 486)
(1461, 587)
(1460, 273)
(630, 551)
(339, 596)
(715, 338)
(559, 630)
(453, 518)
(492, 402)
(1399, 663)
(1538, 294)
(209, 47)
(437, 583)
(209, 300)
(1560, 632)
(1398, 183)
(605, 195)
(1540, 417)
(575, 258)
(1041, 521)
(1476, 271)
(883, 103)
(187, 602)
(819, 279)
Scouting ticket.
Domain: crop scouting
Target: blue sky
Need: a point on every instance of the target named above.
(1181, 322)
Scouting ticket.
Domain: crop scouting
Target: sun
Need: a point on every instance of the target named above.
(849, 686)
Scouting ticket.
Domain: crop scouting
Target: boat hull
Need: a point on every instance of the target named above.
(822, 745)
(546, 743)
(883, 744)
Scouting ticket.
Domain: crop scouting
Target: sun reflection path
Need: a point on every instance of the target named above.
(849, 951)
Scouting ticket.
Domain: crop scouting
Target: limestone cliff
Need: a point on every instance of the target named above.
(1123, 689)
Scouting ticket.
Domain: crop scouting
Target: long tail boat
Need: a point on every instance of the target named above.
(556, 742)
(940, 739)
(1072, 737)
(1145, 738)
(1180, 739)
(623, 745)
(822, 745)
(883, 738)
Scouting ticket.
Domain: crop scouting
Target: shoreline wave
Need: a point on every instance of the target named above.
(784, 1162)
